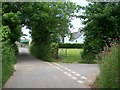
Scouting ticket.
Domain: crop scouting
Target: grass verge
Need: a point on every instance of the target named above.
(108, 77)
(69, 55)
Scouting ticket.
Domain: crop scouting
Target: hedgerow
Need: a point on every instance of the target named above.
(8, 61)
(8, 54)
(39, 51)
(69, 45)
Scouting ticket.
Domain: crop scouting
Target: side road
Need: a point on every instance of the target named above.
(33, 73)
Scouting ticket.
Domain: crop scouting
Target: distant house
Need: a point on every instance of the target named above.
(76, 37)
(78, 40)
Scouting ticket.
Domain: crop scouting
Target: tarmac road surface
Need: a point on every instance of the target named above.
(33, 73)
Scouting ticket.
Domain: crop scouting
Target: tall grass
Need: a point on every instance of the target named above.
(108, 77)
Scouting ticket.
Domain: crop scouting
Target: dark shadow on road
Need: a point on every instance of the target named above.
(24, 55)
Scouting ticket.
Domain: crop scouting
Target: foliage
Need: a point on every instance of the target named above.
(40, 52)
(54, 50)
(5, 32)
(69, 45)
(102, 26)
(15, 48)
(48, 21)
(8, 54)
(8, 61)
(108, 77)
(69, 56)
(12, 20)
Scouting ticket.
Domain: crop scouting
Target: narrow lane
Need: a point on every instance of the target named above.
(33, 73)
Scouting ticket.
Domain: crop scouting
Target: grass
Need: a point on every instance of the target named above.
(108, 77)
(70, 55)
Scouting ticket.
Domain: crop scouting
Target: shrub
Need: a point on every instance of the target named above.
(8, 61)
(12, 20)
(8, 54)
(108, 77)
(5, 32)
(54, 50)
(40, 51)
(88, 57)
(69, 45)
(15, 48)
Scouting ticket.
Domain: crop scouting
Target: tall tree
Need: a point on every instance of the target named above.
(101, 27)
(48, 21)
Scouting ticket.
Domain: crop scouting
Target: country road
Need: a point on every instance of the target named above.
(33, 73)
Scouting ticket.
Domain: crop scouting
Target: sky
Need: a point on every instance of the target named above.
(77, 23)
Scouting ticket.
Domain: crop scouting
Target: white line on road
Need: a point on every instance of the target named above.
(69, 70)
(80, 81)
(83, 77)
(74, 78)
(65, 72)
(78, 74)
(74, 72)
(66, 68)
(68, 74)
(58, 68)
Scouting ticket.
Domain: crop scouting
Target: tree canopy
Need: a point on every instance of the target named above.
(102, 27)
(49, 21)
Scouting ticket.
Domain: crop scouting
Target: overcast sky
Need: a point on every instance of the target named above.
(77, 23)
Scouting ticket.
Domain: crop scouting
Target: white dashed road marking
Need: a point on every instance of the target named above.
(80, 81)
(83, 77)
(78, 74)
(69, 74)
(57, 66)
(74, 78)
(65, 73)
(73, 72)
(69, 70)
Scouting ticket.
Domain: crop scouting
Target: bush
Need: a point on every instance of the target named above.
(88, 58)
(54, 50)
(12, 20)
(15, 48)
(108, 77)
(40, 51)
(8, 61)
(6, 37)
(68, 45)
(5, 32)
(8, 54)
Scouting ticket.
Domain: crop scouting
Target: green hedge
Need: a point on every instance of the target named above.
(108, 77)
(69, 45)
(8, 54)
(8, 61)
(54, 50)
(40, 51)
